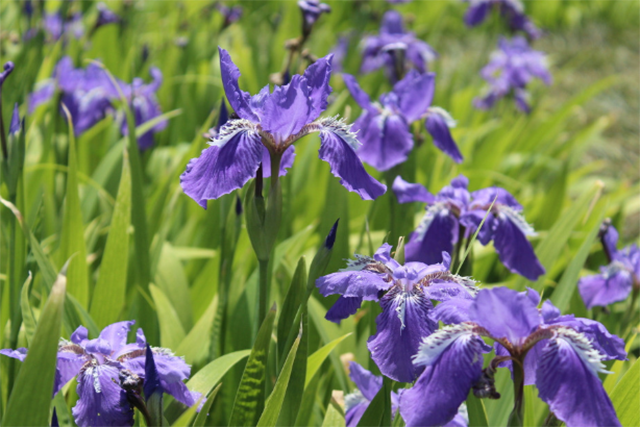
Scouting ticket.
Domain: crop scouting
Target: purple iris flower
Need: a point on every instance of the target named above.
(615, 281)
(404, 293)
(454, 213)
(384, 127)
(395, 49)
(561, 355)
(268, 125)
(100, 364)
(56, 27)
(231, 14)
(145, 106)
(511, 10)
(106, 16)
(311, 11)
(87, 93)
(509, 71)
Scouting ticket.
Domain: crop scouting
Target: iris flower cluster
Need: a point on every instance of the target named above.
(109, 370)
(510, 69)
(267, 126)
(404, 292)
(561, 355)
(384, 126)
(455, 213)
(618, 278)
(395, 49)
(511, 10)
(89, 95)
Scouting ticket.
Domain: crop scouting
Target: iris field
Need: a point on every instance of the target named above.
(453, 243)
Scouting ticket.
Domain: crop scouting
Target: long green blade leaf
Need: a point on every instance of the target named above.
(626, 397)
(108, 297)
(250, 396)
(317, 359)
(273, 405)
(31, 396)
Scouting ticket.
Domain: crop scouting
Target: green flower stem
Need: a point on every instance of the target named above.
(516, 419)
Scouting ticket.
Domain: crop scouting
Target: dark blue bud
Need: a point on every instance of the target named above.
(238, 206)
(14, 127)
(331, 237)
(151, 379)
(8, 68)
(223, 116)
(54, 419)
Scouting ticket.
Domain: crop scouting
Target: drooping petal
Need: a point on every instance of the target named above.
(102, 401)
(513, 248)
(437, 126)
(401, 326)
(225, 166)
(609, 345)
(43, 93)
(453, 363)
(288, 108)
(68, 365)
(505, 313)
(435, 234)
(407, 192)
(337, 147)
(476, 13)
(172, 371)
(472, 220)
(612, 285)
(360, 96)
(239, 100)
(415, 93)
(20, 353)
(391, 148)
(317, 76)
(368, 384)
(361, 284)
(355, 407)
(567, 380)
(343, 308)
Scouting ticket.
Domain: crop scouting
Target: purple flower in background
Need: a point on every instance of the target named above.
(87, 93)
(311, 11)
(404, 293)
(145, 106)
(101, 363)
(384, 127)
(509, 71)
(268, 125)
(368, 385)
(561, 355)
(357, 402)
(339, 52)
(618, 278)
(454, 213)
(106, 16)
(231, 14)
(506, 227)
(56, 27)
(395, 49)
(439, 228)
(511, 10)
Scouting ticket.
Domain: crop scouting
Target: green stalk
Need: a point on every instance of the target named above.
(516, 419)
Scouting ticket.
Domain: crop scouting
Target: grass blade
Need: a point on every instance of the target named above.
(109, 293)
(29, 402)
